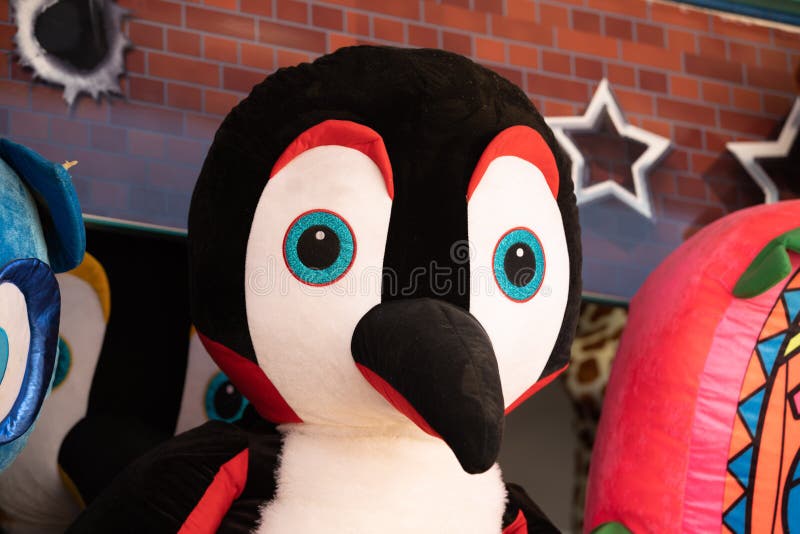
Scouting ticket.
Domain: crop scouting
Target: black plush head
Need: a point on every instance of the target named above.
(432, 115)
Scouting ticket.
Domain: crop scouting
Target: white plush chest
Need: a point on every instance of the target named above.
(367, 484)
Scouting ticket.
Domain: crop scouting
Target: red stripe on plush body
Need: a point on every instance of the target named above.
(251, 381)
(226, 487)
(396, 399)
(525, 143)
(341, 133)
(519, 526)
(534, 388)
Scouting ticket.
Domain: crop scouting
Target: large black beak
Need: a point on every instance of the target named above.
(434, 362)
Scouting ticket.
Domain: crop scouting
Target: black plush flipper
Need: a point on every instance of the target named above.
(534, 518)
(193, 477)
(264, 448)
(96, 449)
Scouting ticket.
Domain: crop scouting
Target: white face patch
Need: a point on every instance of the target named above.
(82, 327)
(32, 493)
(313, 269)
(519, 269)
(15, 345)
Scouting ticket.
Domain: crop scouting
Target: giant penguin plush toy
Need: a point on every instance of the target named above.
(384, 255)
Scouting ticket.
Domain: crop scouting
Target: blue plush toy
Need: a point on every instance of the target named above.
(41, 232)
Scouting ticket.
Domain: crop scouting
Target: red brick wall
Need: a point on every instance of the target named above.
(699, 78)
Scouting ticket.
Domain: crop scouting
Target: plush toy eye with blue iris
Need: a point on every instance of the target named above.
(319, 247)
(63, 363)
(223, 401)
(519, 264)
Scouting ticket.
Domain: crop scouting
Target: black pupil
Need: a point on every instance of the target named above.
(74, 31)
(520, 264)
(227, 400)
(318, 247)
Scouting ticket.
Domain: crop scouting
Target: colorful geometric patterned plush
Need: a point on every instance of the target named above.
(700, 430)
(762, 486)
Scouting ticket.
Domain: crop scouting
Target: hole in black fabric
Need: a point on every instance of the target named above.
(75, 32)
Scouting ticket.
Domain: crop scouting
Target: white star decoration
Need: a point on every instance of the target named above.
(657, 147)
(749, 152)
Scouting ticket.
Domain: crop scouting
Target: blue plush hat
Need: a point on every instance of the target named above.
(41, 232)
(38, 207)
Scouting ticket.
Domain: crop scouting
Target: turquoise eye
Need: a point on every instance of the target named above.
(519, 264)
(223, 401)
(3, 353)
(63, 363)
(319, 247)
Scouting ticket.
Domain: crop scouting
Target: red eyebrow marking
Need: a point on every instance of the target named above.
(341, 133)
(523, 142)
